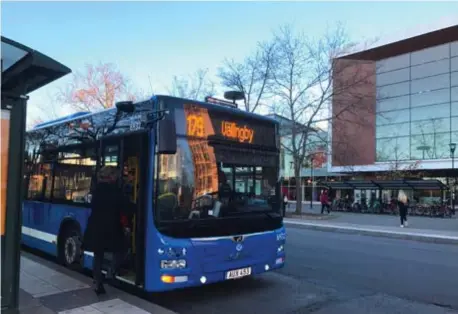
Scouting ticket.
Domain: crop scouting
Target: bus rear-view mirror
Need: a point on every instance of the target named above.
(167, 139)
(125, 106)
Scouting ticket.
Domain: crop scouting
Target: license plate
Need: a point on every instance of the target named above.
(238, 273)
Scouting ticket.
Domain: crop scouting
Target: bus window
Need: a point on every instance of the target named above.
(39, 176)
(74, 171)
(110, 155)
(192, 182)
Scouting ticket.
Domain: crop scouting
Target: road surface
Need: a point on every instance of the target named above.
(329, 273)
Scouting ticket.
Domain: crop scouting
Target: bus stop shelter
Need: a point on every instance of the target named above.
(24, 70)
(387, 185)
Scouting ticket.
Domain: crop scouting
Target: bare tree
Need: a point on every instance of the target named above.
(430, 138)
(196, 86)
(253, 76)
(306, 76)
(96, 88)
(399, 166)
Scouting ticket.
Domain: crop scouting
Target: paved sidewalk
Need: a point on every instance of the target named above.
(423, 235)
(426, 229)
(46, 287)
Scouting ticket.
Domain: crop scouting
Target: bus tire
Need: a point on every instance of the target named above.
(69, 252)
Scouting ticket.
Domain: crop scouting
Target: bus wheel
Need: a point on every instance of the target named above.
(70, 253)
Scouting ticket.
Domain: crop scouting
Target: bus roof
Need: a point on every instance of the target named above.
(229, 110)
(87, 114)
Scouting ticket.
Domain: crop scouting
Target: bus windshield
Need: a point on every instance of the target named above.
(195, 183)
(226, 165)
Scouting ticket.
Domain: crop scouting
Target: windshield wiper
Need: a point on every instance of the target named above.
(267, 213)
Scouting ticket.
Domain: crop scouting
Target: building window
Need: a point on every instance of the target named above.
(430, 112)
(393, 149)
(393, 130)
(430, 69)
(454, 79)
(430, 83)
(393, 77)
(454, 48)
(454, 93)
(395, 103)
(455, 109)
(394, 90)
(454, 64)
(393, 117)
(430, 146)
(454, 140)
(417, 104)
(454, 123)
(430, 54)
(430, 126)
(430, 98)
(394, 63)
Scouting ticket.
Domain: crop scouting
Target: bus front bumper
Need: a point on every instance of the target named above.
(185, 278)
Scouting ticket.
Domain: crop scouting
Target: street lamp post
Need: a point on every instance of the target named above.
(452, 155)
(313, 185)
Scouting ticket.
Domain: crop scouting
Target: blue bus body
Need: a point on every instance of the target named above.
(51, 222)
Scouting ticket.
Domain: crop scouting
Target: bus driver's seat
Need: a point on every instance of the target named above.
(224, 190)
(168, 201)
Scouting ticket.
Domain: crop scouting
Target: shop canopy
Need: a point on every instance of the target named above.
(25, 70)
(387, 185)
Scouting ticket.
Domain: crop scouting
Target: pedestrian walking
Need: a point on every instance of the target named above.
(324, 199)
(104, 232)
(285, 203)
(403, 205)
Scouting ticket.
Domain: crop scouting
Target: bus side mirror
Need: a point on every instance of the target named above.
(167, 139)
(125, 106)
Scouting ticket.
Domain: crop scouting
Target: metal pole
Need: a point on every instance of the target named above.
(452, 190)
(12, 259)
(313, 185)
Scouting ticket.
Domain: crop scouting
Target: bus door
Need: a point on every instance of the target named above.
(110, 152)
(134, 158)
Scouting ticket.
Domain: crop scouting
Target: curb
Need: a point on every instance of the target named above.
(420, 237)
(113, 291)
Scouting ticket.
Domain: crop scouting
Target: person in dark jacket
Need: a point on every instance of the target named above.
(285, 204)
(104, 231)
(324, 199)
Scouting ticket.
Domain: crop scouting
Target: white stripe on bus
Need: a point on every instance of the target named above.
(44, 236)
(37, 234)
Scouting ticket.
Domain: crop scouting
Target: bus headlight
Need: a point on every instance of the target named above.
(173, 264)
(280, 249)
(281, 236)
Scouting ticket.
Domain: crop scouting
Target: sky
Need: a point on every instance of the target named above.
(154, 41)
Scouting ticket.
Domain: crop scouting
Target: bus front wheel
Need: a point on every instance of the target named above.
(70, 253)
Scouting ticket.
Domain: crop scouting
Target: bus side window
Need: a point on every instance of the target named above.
(73, 175)
(40, 180)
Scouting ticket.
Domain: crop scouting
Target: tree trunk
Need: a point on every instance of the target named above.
(297, 176)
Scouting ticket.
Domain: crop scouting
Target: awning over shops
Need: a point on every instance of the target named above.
(387, 185)
(25, 70)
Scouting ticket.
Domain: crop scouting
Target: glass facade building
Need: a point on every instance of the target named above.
(417, 104)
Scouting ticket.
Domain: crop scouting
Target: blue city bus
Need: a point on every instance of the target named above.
(204, 176)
